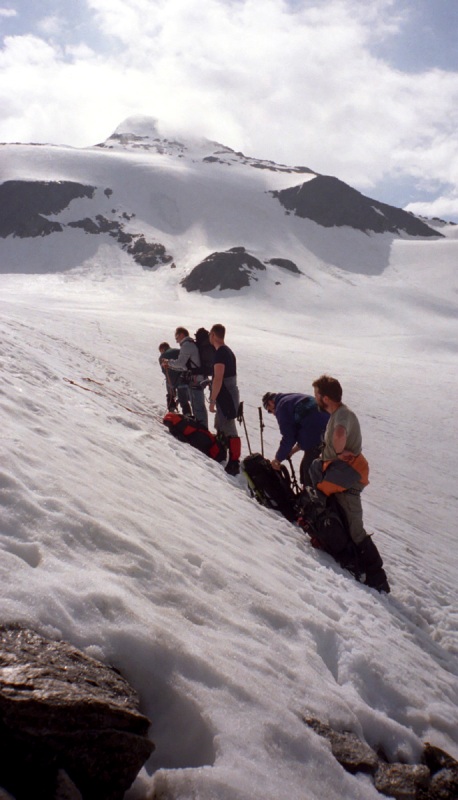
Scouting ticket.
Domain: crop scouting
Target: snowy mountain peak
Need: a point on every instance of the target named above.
(137, 125)
(177, 202)
(144, 133)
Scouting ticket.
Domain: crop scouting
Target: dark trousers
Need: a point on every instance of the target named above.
(309, 456)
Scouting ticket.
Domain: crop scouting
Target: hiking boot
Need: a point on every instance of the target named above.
(371, 563)
(381, 585)
(232, 467)
(353, 567)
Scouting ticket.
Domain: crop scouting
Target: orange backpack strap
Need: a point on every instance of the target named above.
(339, 476)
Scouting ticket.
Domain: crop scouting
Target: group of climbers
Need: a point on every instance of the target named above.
(321, 426)
(329, 433)
(190, 383)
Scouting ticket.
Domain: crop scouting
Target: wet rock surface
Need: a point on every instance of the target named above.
(70, 726)
(435, 778)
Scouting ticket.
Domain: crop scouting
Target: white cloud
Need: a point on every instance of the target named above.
(296, 82)
(444, 207)
(51, 26)
(8, 12)
(22, 52)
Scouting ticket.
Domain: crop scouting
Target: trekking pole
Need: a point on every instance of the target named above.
(261, 428)
(190, 399)
(241, 419)
(169, 385)
(293, 475)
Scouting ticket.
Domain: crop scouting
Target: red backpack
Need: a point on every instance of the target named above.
(188, 429)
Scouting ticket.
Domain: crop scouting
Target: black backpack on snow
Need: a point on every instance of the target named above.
(270, 487)
(321, 518)
(206, 352)
(188, 429)
(324, 521)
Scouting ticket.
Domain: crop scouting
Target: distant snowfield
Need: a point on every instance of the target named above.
(145, 554)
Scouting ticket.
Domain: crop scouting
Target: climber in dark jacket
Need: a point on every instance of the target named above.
(302, 426)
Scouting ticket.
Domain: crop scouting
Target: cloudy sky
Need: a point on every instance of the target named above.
(366, 90)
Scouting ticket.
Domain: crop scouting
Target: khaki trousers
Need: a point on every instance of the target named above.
(353, 510)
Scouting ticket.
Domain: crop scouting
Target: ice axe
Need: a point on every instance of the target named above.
(296, 486)
(241, 419)
(261, 429)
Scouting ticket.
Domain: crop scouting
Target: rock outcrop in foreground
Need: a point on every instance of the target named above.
(70, 726)
(436, 778)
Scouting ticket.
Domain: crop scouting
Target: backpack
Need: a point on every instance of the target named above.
(188, 429)
(270, 487)
(321, 519)
(206, 352)
(303, 408)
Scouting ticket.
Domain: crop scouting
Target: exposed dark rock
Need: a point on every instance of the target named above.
(149, 254)
(444, 785)
(87, 224)
(285, 263)
(444, 769)
(230, 155)
(108, 225)
(403, 781)
(68, 724)
(125, 238)
(101, 225)
(347, 748)
(125, 138)
(65, 788)
(231, 269)
(24, 205)
(331, 202)
(437, 759)
(436, 778)
(108, 192)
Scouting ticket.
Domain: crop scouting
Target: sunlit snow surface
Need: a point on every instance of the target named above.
(145, 554)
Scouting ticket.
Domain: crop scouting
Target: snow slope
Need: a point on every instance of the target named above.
(145, 554)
